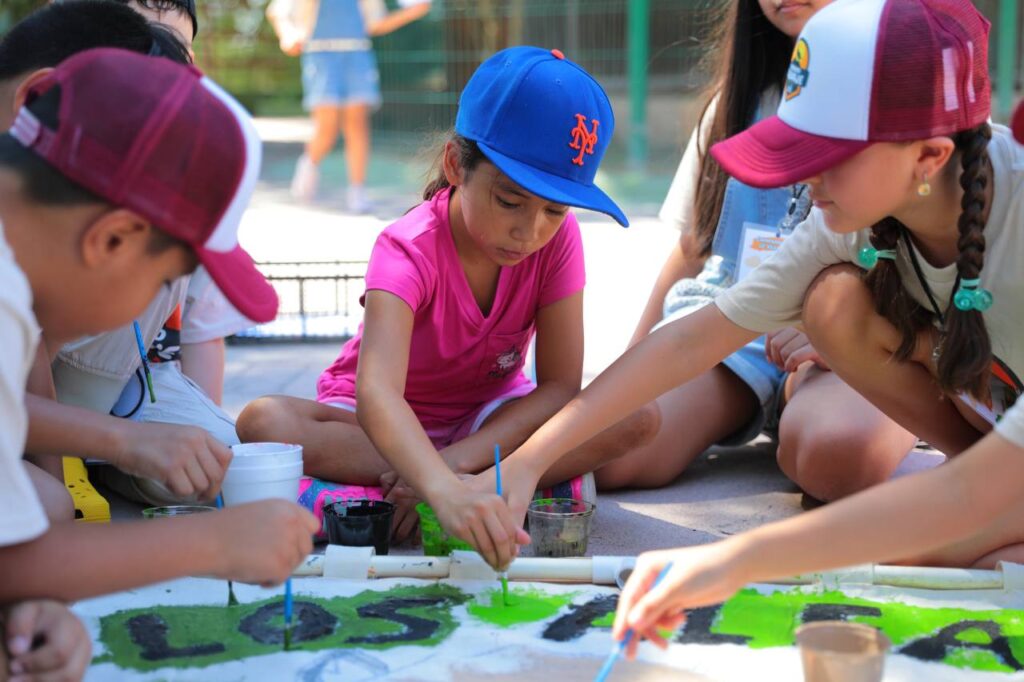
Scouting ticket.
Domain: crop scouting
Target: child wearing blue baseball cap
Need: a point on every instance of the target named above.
(455, 291)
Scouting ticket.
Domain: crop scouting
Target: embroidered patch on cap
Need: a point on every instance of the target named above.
(799, 71)
(582, 138)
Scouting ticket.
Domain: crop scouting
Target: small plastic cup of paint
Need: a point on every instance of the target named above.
(559, 526)
(360, 523)
(261, 471)
(838, 651)
(175, 510)
(437, 541)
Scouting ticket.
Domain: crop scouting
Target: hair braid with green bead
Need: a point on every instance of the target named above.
(966, 355)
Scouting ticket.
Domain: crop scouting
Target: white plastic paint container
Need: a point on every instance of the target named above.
(260, 471)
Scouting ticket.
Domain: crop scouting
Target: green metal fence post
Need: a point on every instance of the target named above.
(638, 34)
(1007, 57)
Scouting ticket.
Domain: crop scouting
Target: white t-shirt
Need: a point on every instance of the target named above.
(771, 297)
(21, 514)
(208, 315)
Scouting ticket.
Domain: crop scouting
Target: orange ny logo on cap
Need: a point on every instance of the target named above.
(583, 139)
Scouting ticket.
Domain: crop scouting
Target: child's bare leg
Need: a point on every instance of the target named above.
(334, 446)
(832, 441)
(841, 322)
(652, 446)
(54, 496)
(355, 128)
(326, 124)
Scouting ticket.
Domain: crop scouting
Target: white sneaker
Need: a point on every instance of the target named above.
(356, 200)
(305, 180)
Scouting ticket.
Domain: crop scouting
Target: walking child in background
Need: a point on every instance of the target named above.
(887, 122)
(831, 440)
(339, 79)
(455, 291)
(101, 206)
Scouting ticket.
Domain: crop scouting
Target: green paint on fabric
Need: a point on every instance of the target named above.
(605, 621)
(771, 619)
(203, 626)
(974, 636)
(526, 606)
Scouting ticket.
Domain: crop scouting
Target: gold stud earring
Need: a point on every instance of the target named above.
(924, 189)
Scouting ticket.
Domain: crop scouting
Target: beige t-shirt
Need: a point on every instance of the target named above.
(21, 514)
(90, 372)
(771, 297)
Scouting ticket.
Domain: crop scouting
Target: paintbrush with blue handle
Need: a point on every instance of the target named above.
(497, 485)
(619, 648)
(287, 614)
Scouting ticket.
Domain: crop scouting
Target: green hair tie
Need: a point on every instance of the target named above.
(970, 296)
(869, 256)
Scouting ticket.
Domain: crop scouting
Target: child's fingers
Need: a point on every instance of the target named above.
(502, 539)
(22, 626)
(196, 476)
(639, 582)
(482, 542)
(222, 453)
(179, 483)
(211, 466)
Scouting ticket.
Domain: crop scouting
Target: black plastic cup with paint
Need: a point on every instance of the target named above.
(360, 523)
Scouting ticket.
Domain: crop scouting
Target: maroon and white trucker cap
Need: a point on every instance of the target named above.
(868, 71)
(166, 142)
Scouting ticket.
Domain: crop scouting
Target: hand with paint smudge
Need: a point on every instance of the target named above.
(262, 542)
(45, 642)
(187, 459)
(700, 576)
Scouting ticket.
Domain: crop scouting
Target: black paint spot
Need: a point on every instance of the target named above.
(416, 628)
(309, 622)
(575, 624)
(697, 629)
(149, 633)
(813, 613)
(935, 647)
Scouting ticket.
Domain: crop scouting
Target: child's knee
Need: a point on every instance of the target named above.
(53, 495)
(829, 464)
(261, 420)
(836, 305)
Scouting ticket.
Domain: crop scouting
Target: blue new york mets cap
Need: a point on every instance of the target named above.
(544, 122)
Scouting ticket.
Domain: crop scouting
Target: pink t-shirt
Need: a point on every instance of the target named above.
(459, 360)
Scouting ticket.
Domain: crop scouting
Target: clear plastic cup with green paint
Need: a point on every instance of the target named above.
(437, 541)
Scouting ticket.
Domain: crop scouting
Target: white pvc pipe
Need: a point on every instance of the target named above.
(602, 570)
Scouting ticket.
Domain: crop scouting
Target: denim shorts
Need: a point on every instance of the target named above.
(340, 78)
(749, 363)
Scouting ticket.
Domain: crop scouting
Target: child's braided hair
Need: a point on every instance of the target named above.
(965, 351)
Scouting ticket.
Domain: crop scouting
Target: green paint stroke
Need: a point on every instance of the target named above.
(771, 619)
(525, 606)
(198, 625)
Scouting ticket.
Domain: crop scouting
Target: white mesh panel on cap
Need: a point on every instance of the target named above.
(836, 99)
(224, 237)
